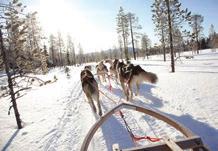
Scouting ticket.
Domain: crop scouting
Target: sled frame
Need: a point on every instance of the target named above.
(191, 140)
(195, 143)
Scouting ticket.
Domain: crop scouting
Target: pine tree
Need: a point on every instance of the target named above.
(33, 32)
(175, 17)
(134, 26)
(177, 41)
(120, 43)
(212, 31)
(10, 83)
(196, 21)
(71, 50)
(34, 43)
(80, 55)
(60, 47)
(12, 49)
(16, 31)
(159, 18)
(212, 36)
(68, 58)
(53, 50)
(145, 43)
(123, 30)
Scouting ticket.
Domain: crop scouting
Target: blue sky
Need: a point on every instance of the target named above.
(98, 17)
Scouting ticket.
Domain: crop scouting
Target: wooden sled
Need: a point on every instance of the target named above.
(191, 141)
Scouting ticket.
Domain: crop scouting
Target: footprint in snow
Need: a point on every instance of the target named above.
(24, 133)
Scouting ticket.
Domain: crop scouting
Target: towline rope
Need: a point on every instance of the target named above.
(134, 137)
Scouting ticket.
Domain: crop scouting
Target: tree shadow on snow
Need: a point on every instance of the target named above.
(208, 134)
(115, 133)
(10, 140)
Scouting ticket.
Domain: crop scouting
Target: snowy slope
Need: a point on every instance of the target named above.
(57, 116)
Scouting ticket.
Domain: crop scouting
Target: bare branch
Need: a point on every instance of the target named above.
(9, 110)
(20, 96)
(21, 90)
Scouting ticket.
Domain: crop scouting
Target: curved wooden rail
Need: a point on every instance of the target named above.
(188, 133)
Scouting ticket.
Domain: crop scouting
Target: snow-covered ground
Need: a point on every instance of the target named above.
(56, 116)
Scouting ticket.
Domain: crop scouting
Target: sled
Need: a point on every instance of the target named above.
(191, 141)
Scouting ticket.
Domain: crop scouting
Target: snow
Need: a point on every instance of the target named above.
(57, 116)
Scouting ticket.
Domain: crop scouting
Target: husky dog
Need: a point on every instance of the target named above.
(138, 76)
(89, 67)
(101, 71)
(110, 61)
(124, 72)
(129, 75)
(90, 88)
(113, 68)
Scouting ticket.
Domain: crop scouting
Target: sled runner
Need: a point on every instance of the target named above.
(191, 141)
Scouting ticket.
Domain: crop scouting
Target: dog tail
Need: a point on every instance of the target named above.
(151, 77)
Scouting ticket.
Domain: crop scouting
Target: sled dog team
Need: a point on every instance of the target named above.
(127, 75)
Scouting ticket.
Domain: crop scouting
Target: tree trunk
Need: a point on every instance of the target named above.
(125, 49)
(133, 47)
(163, 44)
(124, 44)
(53, 56)
(196, 31)
(171, 38)
(10, 84)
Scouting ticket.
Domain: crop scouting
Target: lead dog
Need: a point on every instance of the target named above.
(90, 88)
(102, 71)
(89, 67)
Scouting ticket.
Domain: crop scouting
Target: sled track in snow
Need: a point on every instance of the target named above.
(60, 129)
